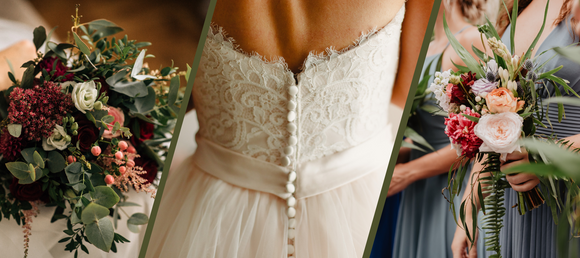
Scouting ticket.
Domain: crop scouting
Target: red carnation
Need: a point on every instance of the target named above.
(461, 132)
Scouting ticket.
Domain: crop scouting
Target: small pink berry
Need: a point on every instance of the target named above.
(123, 145)
(96, 150)
(71, 159)
(122, 169)
(119, 155)
(131, 149)
(130, 163)
(109, 179)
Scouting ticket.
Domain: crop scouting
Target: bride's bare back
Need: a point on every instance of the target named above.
(293, 28)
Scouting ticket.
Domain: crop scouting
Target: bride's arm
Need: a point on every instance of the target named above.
(18, 53)
(414, 27)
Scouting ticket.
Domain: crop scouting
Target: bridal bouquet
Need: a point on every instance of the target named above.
(492, 104)
(87, 122)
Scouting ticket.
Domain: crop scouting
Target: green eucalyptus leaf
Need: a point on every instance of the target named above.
(145, 104)
(93, 212)
(131, 89)
(55, 162)
(133, 228)
(138, 66)
(138, 219)
(108, 119)
(38, 161)
(18, 169)
(105, 196)
(74, 172)
(15, 130)
(101, 233)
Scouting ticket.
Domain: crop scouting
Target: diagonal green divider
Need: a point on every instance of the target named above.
(402, 126)
(182, 111)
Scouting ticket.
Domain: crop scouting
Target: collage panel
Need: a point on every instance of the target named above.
(286, 150)
(91, 91)
(488, 143)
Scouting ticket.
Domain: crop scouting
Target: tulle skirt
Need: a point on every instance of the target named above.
(203, 216)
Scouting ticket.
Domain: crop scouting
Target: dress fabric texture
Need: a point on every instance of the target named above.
(231, 198)
(534, 234)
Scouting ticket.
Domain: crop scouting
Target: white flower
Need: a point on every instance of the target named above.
(492, 66)
(438, 88)
(511, 85)
(57, 139)
(84, 95)
(477, 98)
(462, 107)
(499, 132)
(456, 147)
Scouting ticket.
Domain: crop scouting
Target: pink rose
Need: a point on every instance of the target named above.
(502, 100)
(500, 132)
(119, 116)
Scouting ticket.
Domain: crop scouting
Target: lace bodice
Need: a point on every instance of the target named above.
(243, 102)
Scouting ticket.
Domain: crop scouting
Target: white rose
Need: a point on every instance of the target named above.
(499, 132)
(84, 95)
(57, 139)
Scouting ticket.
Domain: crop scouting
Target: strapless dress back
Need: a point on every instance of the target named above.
(287, 165)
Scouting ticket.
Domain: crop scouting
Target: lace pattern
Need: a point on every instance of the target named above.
(242, 99)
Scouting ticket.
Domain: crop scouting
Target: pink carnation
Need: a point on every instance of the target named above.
(461, 132)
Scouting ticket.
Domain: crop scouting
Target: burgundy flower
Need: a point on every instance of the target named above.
(28, 192)
(104, 86)
(59, 69)
(38, 109)
(459, 92)
(145, 133)
(88, 133)
(148, 165)
(10, 146)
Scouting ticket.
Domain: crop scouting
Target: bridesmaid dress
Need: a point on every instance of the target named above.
(534, 234)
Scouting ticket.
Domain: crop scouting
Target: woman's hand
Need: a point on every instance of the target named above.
(402, 178)
(520, 182)
(461, 244)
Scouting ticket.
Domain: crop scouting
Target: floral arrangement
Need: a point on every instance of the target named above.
(492, 104)
(81, 128)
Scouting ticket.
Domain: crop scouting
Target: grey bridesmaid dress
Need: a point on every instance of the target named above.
(533, 235)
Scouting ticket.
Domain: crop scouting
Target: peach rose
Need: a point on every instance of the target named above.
(502, 100)
(499, 132)
(119, 116)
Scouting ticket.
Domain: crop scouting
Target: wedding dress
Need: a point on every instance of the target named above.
(286, 165)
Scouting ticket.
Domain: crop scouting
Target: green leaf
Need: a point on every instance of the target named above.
(413, 135)
(128, 204)
(18, 169)
(104, 28)
(38, 161)
(15, 130)
(145, 104)
(133, 228)
(39, 37)
(138, 219)
(73, 172)
(105, 196)
(101, 233)
(55, 162)
(173, 90)
(138, 66)
(188, 73)
(93, 212)
(471, 63)
(539, 169)
(59, 49)
(563, 100)
(28, 78)
(131, 89)
(572, 53)
(108, 119)
(81, 45)
(528, 53)
(472, 118)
